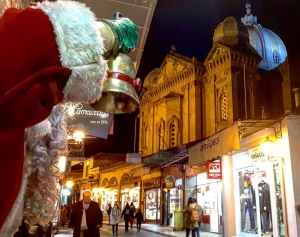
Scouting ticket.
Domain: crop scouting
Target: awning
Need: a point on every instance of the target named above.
(219, 144)
(157, 158)
(180, 158)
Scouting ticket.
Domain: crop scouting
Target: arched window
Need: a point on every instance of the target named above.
(161, 134)
(222, 105)
(173, 132)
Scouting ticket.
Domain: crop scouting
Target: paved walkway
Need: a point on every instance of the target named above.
(150, 228)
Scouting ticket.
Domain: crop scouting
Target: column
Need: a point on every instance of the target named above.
(228, 197)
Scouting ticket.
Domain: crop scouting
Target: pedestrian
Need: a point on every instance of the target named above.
(198, 223)
(189, 224)
(139, 219)
(63, 216)
(86, 217)
(115, 218)
(126, 213)
(132, 208)
(108, 210)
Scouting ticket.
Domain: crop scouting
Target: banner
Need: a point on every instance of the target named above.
(88, 120)
(215, 146)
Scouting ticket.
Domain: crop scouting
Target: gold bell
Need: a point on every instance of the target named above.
(119, 93)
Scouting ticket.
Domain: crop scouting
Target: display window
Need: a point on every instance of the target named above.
(129, 195)
(209, 198)
(152, 204)
(108, 196)
(259, 198)
(175, 200)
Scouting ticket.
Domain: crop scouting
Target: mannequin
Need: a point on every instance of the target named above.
(265, 205)
(248, 202)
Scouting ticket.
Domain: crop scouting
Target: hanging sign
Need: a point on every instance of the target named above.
(88, 120)
(214, 170)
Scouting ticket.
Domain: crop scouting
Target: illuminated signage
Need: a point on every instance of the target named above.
(214, 170)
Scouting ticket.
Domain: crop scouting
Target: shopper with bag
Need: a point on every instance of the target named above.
(198, 223)
(132, 208)
(190, 217)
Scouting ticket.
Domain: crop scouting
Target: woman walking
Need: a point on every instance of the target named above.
(115, 215)
(189, 223)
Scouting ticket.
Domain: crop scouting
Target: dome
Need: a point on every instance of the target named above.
(266, 43)
(231, 32)
(150, 79)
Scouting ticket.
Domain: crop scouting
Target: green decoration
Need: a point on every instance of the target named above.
(126, 35)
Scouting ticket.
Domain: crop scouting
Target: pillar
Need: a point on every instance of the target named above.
(228, 197)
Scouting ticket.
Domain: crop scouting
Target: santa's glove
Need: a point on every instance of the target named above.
(32, 100)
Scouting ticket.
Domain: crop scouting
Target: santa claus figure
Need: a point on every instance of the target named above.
(49, 53)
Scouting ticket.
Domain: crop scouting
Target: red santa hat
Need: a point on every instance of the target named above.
(48, 53)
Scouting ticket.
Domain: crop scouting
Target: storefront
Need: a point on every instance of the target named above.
(260, 187)
(259, 209)
(130, 190)
(108, 193)
(174, 201)
(209, 198)
(152, 199)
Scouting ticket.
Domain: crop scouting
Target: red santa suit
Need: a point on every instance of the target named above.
(48, 54)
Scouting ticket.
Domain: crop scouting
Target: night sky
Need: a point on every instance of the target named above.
(189, 25)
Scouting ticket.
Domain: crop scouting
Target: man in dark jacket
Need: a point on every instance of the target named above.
(86, 217)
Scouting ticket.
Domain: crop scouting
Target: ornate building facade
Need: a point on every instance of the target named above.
(246, 75)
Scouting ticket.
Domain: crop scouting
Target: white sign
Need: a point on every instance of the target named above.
(215, 146)
(133, 158)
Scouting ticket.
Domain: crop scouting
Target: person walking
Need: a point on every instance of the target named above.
(86, 217)
(126, 213)
(198, 224)
(139, 219)
(63, 216)
(115, 218)
(189, 224)
(132, 208)
(108, 210)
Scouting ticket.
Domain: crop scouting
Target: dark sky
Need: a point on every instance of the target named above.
(189, 25)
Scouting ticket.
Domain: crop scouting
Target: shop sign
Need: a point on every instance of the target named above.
(257, 155)
(214, 170)
(216, 145)
(133, 158)
(152, 183)
(88, 120)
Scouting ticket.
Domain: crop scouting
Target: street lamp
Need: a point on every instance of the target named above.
(69, 184)
(78, 136)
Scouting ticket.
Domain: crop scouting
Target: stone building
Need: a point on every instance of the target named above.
(246, 79)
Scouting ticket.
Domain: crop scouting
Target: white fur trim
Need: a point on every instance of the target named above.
(80, 46)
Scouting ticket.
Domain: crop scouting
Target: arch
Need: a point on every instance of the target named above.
(125, 178)
(113, 182)
(105, 182)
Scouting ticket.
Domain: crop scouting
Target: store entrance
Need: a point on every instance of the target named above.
(152, 205)
(261, 199)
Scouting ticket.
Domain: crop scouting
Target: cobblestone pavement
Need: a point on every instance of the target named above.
(147, 230)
